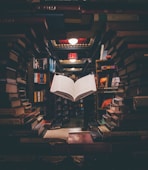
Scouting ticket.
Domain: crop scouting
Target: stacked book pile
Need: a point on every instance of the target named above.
(17, 115)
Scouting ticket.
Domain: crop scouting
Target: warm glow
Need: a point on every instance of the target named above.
(73, 41)
(72, 60)
(72, 57)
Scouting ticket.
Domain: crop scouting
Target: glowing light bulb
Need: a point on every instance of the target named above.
(73, 41)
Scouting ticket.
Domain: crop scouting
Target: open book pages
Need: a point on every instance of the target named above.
(57, 134)
(62, 133)
(66, 87)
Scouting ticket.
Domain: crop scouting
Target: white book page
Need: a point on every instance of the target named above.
(57, 134)
(62, 133)
(55, 84)
(62, 84)
(85, 86)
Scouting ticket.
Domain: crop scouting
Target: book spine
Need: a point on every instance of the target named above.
(122, 17)
(131, 33)
(13, 56)
(140, 46)
(7, 87)
(22, 20)
(35, 97)
(11, 121)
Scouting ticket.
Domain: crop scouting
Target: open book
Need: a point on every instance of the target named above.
(66, 87)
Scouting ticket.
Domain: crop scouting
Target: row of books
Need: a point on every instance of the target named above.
(128, 50)
(40, 78)
(105, 71)
(119, 121)
(39, 96)
(44, 64)
(40, 63)
(17, 115)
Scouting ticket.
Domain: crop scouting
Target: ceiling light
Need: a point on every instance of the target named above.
(72, 57)
(73, 41)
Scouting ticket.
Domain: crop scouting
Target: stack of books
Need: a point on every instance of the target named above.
(17, 116)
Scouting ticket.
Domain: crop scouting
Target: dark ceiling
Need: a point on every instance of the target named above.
(43, 27)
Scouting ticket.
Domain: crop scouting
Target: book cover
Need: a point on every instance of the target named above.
(73, 90)
(80, 138)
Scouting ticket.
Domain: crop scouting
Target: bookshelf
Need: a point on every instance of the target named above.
(17, 115)
(128, 49)
(62, 111)
(65, 110)
(39, 68)
(105, 71)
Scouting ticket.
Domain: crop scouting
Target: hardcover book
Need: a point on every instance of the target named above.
(80, 137)
(61, 133)
(73, 90)
(12, 121)
(15, 111)
(7, 73)
(14, 102)
(8, 87)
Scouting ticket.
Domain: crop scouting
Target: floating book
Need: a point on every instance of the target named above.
(73, 90)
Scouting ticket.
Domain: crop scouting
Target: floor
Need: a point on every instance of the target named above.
(119, 161)
(79, 163)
